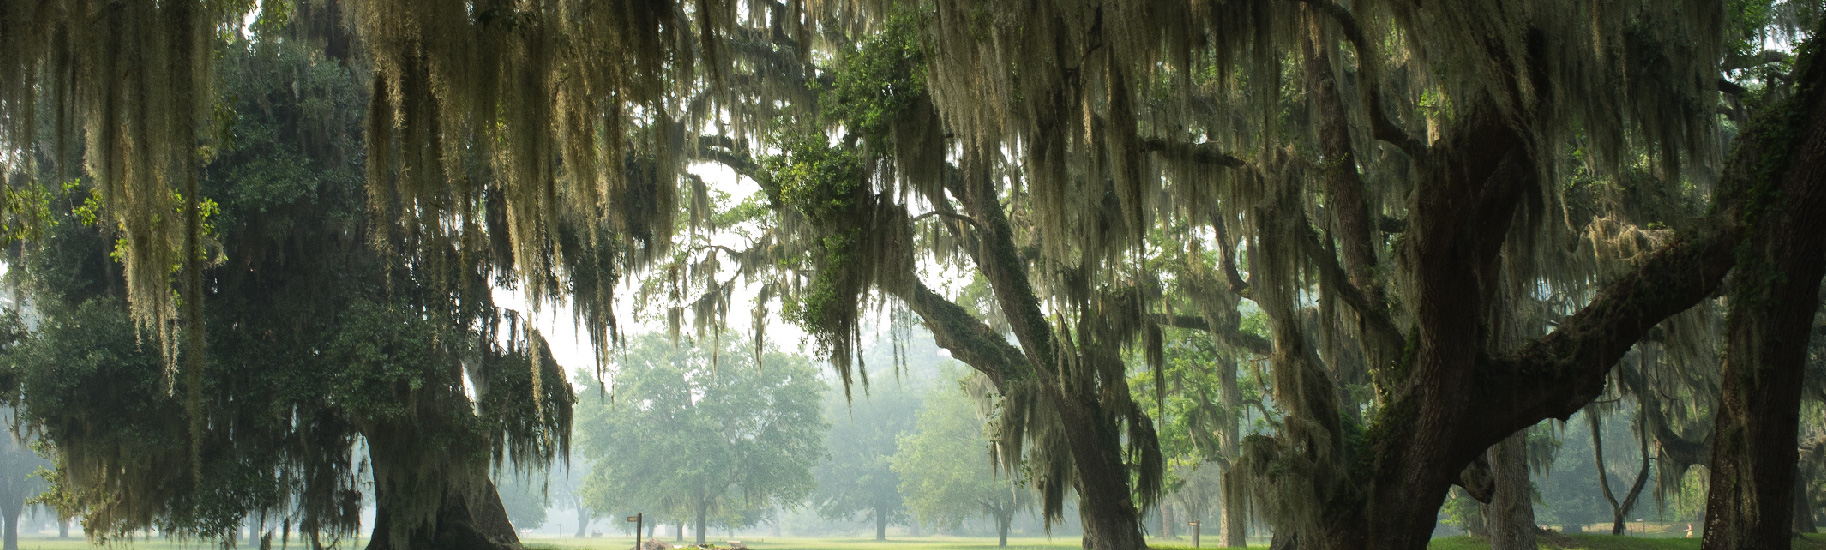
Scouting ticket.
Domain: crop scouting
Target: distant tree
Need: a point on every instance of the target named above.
(19, 482)
(565, 489)
(945, 467)
(857, 479)
(524, 494)
(688, 433)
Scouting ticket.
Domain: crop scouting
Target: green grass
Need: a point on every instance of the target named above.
(1609, 542)
(1568, 542)
(895, 543)
(807, 543)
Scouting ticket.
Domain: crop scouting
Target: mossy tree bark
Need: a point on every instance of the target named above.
(463, 521)
(1775, 292)
(1093, 437)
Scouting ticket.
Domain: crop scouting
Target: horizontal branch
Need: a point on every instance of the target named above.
(1202, 153)
(951, 215)
(1557, 374)
(1232, 337)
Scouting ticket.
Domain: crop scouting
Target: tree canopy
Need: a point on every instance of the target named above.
(1432, 224)
(330, 362)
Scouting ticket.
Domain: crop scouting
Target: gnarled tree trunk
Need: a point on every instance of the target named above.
(462, 522)
(1775, 291)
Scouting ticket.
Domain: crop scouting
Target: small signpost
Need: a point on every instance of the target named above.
(1194, 524)
(636, 518)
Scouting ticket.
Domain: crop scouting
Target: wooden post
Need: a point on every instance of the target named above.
(1194, 524)
(637, 519)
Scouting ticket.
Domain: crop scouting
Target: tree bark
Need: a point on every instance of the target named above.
(881, 523)
(1235, 525)
(583, 521)
(1775, 291)
(1350, 215)
(1803, 506)
(11, 510)
(1166, 521)
(1003, 517)
(1105, 507)
(1236, 511)
(462, 522)
(63, 528)
(1100, 471)
(1509, 517)
(703, 509)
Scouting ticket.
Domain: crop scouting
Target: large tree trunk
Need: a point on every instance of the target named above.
(881, 523)
(1105, 506)
(1775, 290)
(462, 522)
(1235, 525)
(1166, 520)
(1803, 506)
(703, 509)
(1236, 511)
(583, 521)
(1003, 517)
(63, 528)
(1100, 472)
(11, 509)
(1509, 518)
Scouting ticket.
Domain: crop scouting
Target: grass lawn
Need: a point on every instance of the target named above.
(1572, 542)
(807, 543)
(1609, 542)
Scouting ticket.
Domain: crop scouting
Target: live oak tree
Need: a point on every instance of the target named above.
(1457, 350)
(699, 434)
(321, 347)
(1397, 175)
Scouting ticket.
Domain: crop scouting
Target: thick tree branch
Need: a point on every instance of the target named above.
(1000, 263)
(1202, 153)
(1233, 337)
(969, 339)
(1377, 321)
(1381, 126)
(951, 215)
(1226, 249)
(1556, 375)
